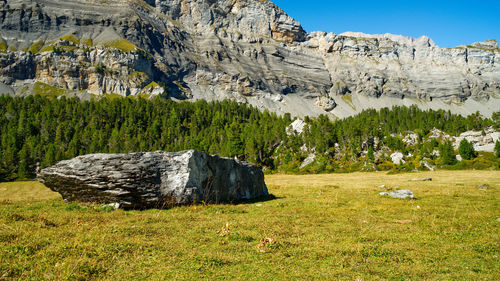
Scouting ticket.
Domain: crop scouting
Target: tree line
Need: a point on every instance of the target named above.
(36, 132)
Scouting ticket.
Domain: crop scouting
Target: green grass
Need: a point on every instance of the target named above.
(348, 99)
(88, 41)
(121, 44)
(70, 38)
(36, 47)
(3, 45)
(321, 227)
(46, 90)
(151, 85)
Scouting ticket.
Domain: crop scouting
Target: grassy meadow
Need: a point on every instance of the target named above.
(318, 227)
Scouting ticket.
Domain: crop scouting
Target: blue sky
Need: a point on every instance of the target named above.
(448, 23)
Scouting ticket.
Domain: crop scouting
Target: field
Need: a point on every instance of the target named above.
(321, 227)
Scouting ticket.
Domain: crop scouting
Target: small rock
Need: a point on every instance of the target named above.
(423, 179)
(397, 158)
(384, 193)
(402, 194)
(113, 205)
(382, 186)
(484, 187)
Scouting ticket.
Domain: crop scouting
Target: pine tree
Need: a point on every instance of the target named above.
(447, 154)
(497, 148)
(466, 150)
(371, 156)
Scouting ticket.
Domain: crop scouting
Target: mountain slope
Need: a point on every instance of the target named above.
(246, 50)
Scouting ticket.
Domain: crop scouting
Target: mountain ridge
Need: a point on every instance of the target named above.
(250, 51)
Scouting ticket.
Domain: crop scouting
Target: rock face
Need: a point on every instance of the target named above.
(246, 50)
(481, 141)
(154, 179)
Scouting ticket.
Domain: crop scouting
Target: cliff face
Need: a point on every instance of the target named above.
(246, 50)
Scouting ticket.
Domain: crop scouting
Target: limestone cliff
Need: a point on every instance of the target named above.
(246, 50)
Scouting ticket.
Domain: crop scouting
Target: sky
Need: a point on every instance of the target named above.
(447, 23)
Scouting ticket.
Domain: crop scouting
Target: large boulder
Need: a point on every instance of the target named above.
(154, 179)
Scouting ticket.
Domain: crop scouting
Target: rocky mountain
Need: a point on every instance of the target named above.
(246, 50)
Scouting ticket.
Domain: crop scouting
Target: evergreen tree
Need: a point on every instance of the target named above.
(371, 156)
(447, 155)
(466, 150)
(497, 148)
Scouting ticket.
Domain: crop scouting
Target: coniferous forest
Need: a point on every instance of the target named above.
(36, 132)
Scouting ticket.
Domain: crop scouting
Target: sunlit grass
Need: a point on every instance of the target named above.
(323, 227)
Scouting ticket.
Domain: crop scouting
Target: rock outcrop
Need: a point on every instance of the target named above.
(481, 140)
(246, 50)
(154, 179)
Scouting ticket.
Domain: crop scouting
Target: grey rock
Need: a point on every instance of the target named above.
(154, 179)
(384, 193)
(309, 159)
(397, 158)
(402, 194)
(296, 128)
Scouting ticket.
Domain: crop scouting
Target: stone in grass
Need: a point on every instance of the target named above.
(423, 179)
(154, 179)
(400, 194)
(484, 187)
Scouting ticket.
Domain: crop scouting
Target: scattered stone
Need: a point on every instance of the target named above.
(154, 179)
(112, 205)
(411, 138)
(427, 165)
(397, 158)
(400, 194)
(484, 187)
(382, 186)
(308, 160)
(296, 128)
(422, 179)
(326, 103)
(459, 158)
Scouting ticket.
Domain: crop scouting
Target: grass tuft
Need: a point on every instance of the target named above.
(46, 90)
